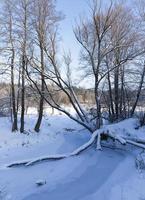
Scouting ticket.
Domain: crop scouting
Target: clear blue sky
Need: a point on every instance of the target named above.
(71, 9)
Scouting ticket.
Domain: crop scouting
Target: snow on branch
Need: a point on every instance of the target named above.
(95, 138)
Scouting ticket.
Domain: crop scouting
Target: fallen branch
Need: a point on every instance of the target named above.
(136, 144)
(95, 138)
(136, 140)
(21, 163)
(56, 157)
(37, 160)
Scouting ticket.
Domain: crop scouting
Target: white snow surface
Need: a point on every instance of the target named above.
(109, 174)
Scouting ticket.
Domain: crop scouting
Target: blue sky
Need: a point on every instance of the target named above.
(71, 9)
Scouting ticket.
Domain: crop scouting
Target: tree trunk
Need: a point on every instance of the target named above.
(18, 93)
(23, 95)
(116, 98)
(111, 107)
(40, 115)
(41, 104)
(14, 110)
(138, 92)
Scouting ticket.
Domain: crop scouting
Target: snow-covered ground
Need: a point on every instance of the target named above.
(103, 175)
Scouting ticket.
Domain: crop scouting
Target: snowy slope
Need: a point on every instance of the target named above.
(104, 175)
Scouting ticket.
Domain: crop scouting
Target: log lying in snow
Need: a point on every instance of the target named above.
(135, 144)
(137, 140)
(18, 163)
(95, 138)
(56, 157)
(37, 160)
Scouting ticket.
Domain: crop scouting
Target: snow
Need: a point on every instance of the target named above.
(107, 174)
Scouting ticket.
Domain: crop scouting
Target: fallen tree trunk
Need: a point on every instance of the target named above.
(37, 160)
(137, 140)
(55, 157)
(135, 144)
(95, 138)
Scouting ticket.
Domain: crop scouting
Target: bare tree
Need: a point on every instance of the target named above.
(9, 38)
(44, 20)
(110, 41)
(23, 28)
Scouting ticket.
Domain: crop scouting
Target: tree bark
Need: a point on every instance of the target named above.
(139, 91)
(23, 95)
(41, 104)
(14, 110)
